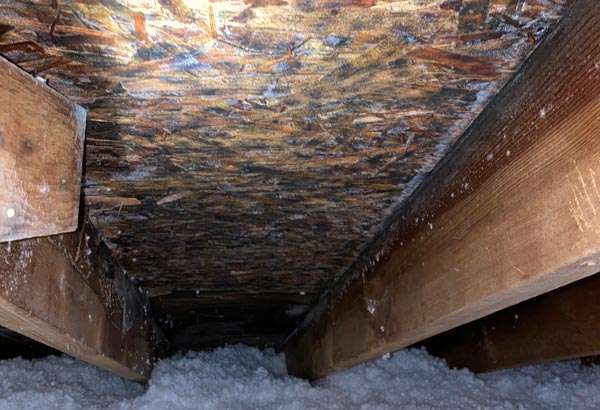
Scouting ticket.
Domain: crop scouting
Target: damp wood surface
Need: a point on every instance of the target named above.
(241, 154)
(66, 292)
(41, 157)
(510, 213)
(559, 325)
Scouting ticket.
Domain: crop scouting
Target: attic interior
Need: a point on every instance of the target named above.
(250, 164)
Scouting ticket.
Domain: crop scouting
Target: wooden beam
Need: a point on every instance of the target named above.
(41, 151)
(513, 211)
(66, 292)
(562, 324)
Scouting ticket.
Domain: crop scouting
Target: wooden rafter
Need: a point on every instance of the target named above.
(66, 292)
(562, 324)
(513, 211)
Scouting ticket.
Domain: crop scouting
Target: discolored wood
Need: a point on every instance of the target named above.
(41, 153)
(249, 150)
(66, 292)
(562, 324)
(508, 214)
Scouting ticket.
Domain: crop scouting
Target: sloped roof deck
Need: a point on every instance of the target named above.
(241, 154)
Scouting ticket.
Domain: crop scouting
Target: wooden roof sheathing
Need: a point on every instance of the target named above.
(241, 154)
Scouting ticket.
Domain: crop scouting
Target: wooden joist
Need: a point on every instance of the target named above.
(66, 292)
(513, 211)
(562, 324)
(41, 151)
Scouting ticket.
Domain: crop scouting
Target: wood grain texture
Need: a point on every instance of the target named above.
(41, 154)
(249, 150)
(510, 213)
(559, 325)
(66, 292)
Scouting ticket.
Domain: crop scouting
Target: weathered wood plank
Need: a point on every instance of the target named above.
(562, 324)
(510, 213)
(41, 152)
(66, 292)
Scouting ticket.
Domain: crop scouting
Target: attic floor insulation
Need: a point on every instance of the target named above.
(241, 377)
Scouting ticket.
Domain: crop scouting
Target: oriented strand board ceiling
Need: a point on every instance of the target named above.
(240, 154)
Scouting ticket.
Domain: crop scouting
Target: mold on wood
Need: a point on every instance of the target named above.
(242, 153)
